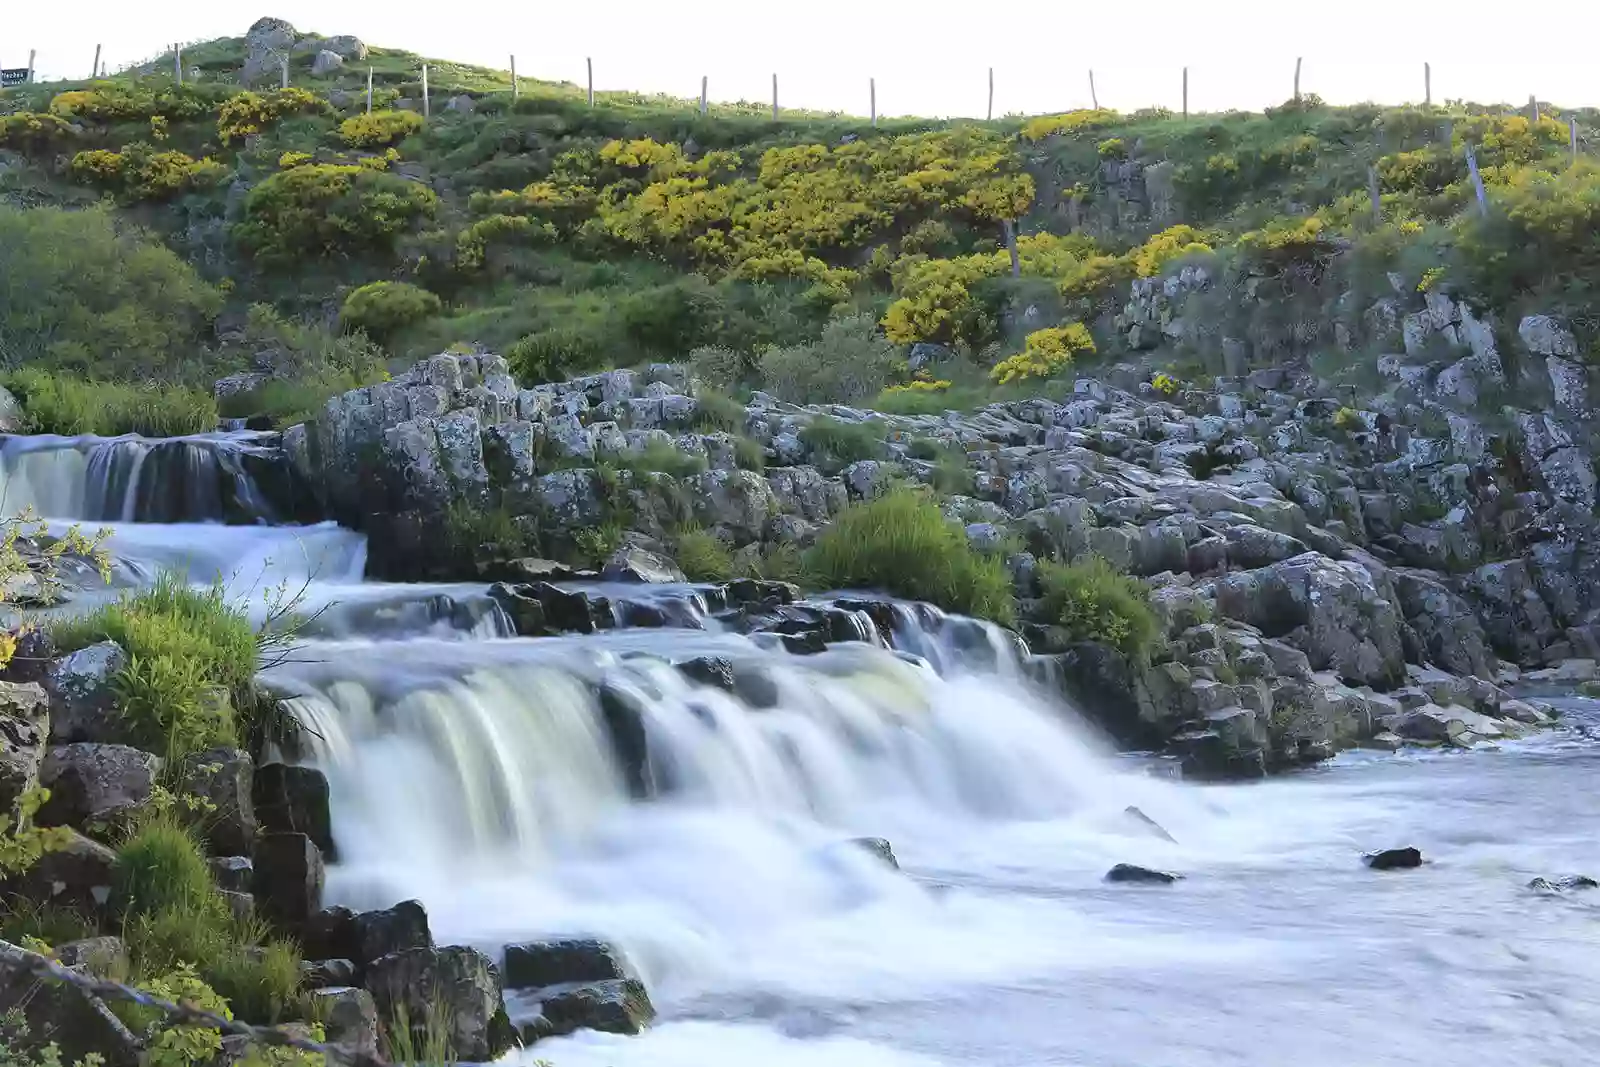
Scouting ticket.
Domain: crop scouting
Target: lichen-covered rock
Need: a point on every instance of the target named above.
(457, 988)
(224, 778)
(83, 699)
(95, 785)
(24, 728)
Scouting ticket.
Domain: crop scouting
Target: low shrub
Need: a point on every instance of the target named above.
(915, 398)
(139, 172)
(31, 132)
(718, 367)
(1092, 601)
(76, 295)
(903, 544)
(558, 353)
(161, 868)
(380, 128)
(658, 457)
(106, 102)
(329, 210)
(702, 557)
(835, 444)
(850, 363)
(70, 405)
(1047, 353)
(247, 114)
(383, 308)
(716, 411)
(190, 653)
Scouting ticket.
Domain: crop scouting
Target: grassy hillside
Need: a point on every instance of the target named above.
(292, 232)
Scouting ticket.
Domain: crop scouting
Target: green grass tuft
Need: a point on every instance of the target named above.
(58, 403)
(1093, 601)
(902, 543)
(702, 557)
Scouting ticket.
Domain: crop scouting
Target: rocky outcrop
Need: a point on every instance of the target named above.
(96, 785)
(456, 988)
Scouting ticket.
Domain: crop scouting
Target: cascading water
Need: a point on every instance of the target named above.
(204, 478)
(591, 785)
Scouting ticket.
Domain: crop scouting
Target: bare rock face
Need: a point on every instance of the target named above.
(24, 726)
(95, 785)
(82, 692)
(459, 987)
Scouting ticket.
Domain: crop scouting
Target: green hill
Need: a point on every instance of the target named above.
(211, 229)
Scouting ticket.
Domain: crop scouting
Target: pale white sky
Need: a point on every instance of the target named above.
(929, 57)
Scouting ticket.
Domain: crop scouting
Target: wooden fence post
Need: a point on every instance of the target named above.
(427, 106)
(177, 63)
(872, 93)
(774, 97)
(1094, 97)
(31, 54)
(369, 90)
(1185, 92)
(283, 63)
(1533, 108)
(514, 92)
(1298, 60)
(1427, 85)
(1372, 191)
(590, 63)
(703, 80)
(990, 114)
(94, 71)
(1572, 131)
(1477, 182)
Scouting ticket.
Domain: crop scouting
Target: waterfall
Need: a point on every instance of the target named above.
(204, 478)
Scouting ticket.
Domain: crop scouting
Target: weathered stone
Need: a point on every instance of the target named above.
(24, 727)
(289, 877)
(879, 847)
(349, 1017)
(537, 964)
(326, 63)
(328, 974)
(294, 800)
(1543, 335)
(1563, 884)
(78, 876)
(83, 699)
(77, 1024)
(455, 988)
(95, 785)
(102, 957)
(1446, 624)
(234, 873)
(224, 777)
(631, 564)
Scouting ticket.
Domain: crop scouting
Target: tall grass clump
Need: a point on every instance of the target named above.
(902, 543)
(835, 443)
(58, 403)
(190, 654)
(702, 557)
(1093, 601)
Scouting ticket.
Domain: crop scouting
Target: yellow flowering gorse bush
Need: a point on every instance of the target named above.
(1045, 354)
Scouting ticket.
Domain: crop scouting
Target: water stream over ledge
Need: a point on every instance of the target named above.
(483, 774)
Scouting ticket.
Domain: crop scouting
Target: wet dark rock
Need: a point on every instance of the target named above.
(1564, 883)
(879, 847)
(714, 671)
(331, 934)
(536, 570)
(567, 610)
(1393, 859)
(291, 799)
(1213, 756)
(526, 612)
(453, 987)
(396, 929)
(624, 714)
(563, 961)
(240, 905)
(33, 658)
(619, 1006)
(1128, 873)
(225, 777)
(756, 591)
(289, 878)
(236, 873)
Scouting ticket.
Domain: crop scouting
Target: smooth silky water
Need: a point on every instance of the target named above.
(476, 772)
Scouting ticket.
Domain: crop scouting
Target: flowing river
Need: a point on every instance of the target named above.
(480, 773)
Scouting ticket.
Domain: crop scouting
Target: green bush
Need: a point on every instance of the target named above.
(81, 292)
(850, 363)
(160, 868)
(379, 128)
(315, 363)
(247, 114)
(139, 172)
(1092, 601)
(719, 368)
(327, 210)
(261, 984)
(557, 354)
(902, 543)
(30, 132)
(383, 308)
(702, 557)
(190, 654)
(57, 403)
(835, 444)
